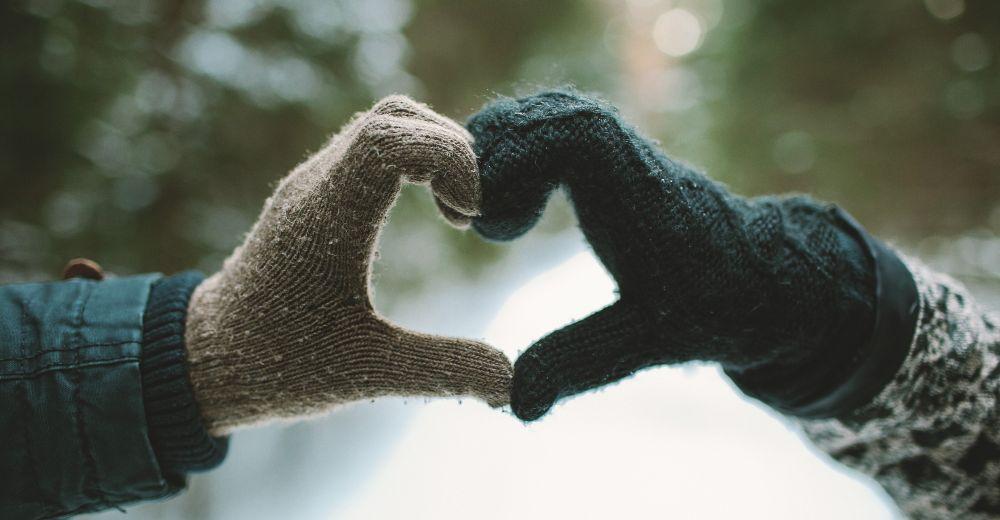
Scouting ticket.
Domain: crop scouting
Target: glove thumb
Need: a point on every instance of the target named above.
(599, 349)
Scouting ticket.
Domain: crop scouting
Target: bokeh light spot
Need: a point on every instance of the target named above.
(970, 52)
(945, 9)
(134, 193)
(794, 152)
(677, 32)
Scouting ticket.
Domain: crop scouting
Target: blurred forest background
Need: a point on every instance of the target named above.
(146, 133)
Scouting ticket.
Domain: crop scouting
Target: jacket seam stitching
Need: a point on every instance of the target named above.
(56, 367)
(42, 352)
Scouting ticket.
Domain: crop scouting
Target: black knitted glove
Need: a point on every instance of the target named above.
(781, 291)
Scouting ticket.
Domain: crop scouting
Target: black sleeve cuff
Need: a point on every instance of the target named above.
(176, 430)
(853, 380)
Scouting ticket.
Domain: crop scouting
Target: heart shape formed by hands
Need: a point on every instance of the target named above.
(287, 328)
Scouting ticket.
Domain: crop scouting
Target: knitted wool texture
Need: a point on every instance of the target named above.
(287, 328)
(769, 287)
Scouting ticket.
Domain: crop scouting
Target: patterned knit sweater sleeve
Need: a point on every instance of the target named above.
(931, 438)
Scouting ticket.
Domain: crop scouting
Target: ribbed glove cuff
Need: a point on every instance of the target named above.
(176, 430)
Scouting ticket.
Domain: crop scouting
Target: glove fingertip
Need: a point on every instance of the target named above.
(533, 392)
(459, 187)
(455, 218)
(495, 389)
(503, 230)
(530, 411)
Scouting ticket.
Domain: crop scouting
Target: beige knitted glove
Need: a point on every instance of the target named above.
(286, 329)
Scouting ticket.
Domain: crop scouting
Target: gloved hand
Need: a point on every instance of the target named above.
(287, 329)
(780, 291)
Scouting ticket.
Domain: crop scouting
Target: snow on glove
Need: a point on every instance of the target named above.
(781, 291)
(287, 329)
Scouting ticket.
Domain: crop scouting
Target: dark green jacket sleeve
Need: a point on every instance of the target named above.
(96, 409)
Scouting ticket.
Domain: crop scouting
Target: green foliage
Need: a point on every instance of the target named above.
(880, 105)
(147, 133)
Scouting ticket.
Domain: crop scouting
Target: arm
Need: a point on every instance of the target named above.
(111, 391)
(932, 436)
(97, 410)
(803, 309)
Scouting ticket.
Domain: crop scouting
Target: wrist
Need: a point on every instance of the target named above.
(866, 343)
(176, 428)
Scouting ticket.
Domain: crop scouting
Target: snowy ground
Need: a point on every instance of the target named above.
(670, 442)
